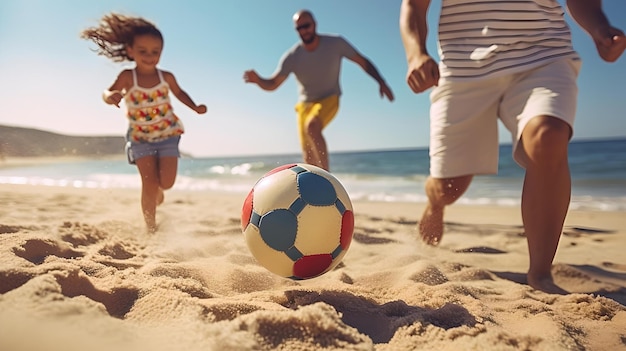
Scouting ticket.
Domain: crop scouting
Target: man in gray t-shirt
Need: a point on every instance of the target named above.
(316, 63)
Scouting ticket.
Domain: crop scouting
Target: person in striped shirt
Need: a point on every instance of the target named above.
(514, 61)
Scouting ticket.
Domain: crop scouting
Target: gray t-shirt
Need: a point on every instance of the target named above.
(317, 72)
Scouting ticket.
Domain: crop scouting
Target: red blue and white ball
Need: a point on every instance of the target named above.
(298, 221)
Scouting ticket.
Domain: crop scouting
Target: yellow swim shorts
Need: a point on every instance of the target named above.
(325, 110)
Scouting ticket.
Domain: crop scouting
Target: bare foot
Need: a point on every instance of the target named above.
(545, 284)
(152, 228)
(151, 223)
(160, 197)
(431, 226)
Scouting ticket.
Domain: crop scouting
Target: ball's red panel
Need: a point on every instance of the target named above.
(246, 211)
(311, 266)
(347, 229)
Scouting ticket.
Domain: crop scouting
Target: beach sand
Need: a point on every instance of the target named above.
(78, 272)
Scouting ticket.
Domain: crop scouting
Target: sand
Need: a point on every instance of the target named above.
(79, 272)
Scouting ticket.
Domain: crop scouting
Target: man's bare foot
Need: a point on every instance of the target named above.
(160, 197)
(431, 225)
(545, 284)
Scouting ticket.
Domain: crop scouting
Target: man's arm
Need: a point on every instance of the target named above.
(268, 84)
(589, 15)
(423, 71)
(370, 69)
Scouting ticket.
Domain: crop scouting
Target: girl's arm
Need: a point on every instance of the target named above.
(181, 95)
(115, 93)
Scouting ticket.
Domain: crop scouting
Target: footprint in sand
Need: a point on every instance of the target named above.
(371, 240)
(36, 250)
(429, 275)
(481, 249)
(117, 250)
(11, 229)
(13, 279)
(79, 234)
(365, 235)
(117, 301)
(8, 229)
(615, 266)
(576, 232)
(380, 321)
(228, 311)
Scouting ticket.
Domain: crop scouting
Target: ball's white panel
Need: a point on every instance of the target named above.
(342, 194)
(274, 261)
(336, 261)
(319, 230)
(275, 191)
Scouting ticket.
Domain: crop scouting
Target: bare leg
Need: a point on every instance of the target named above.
(316, 151)
(160, 196)
(149, 189)
(440, 192)
(157, 175)
(168, 169)
(546, 195)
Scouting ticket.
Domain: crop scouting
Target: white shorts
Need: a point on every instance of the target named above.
(464, 115)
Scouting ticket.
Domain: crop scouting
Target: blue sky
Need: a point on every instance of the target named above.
(51, 79)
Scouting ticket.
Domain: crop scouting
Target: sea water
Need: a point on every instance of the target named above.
(598, 171)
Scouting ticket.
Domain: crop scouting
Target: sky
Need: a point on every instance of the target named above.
(53, 80)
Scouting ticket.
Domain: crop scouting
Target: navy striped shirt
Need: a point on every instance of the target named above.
(486, 38)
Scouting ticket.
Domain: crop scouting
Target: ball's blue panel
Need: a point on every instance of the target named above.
(337, 251)
(298, 169)
(278, 229)
(297, 206)
(316, 190)
(294, 253)
(255, 218)
(340, 207)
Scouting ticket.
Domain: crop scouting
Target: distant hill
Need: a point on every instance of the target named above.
(27, 142)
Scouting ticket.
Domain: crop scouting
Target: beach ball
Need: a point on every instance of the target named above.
(298, 221)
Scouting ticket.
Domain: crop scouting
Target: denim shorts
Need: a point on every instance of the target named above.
(163, 148)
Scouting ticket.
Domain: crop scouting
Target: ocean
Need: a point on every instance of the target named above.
(598, 170)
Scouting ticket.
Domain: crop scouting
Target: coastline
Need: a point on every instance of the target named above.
(15, 161)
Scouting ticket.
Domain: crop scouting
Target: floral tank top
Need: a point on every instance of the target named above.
(150, 114)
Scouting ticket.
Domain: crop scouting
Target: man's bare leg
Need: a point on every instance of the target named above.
(317, 151)
(545, 196)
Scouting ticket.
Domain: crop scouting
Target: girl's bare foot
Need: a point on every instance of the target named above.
(151, 229)
(545, 284)
(151, 224)
(431, 225)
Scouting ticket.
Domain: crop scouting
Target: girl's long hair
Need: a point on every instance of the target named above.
(115, 32)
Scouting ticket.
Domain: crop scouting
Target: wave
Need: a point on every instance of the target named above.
(381, 189)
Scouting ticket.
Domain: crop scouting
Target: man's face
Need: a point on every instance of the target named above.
(305, 26)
